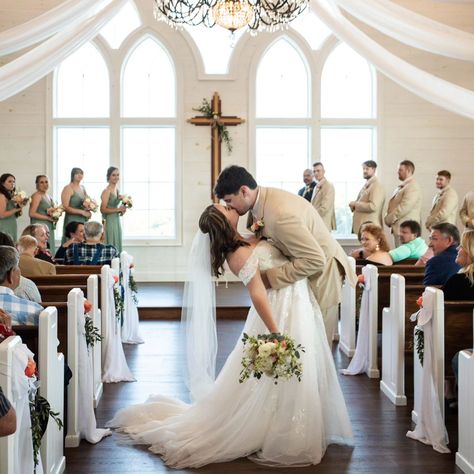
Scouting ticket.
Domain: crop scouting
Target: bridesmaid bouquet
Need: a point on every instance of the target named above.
(55, 213)
(127, 201)
(90, 204)
(20, 198)
(275, 355)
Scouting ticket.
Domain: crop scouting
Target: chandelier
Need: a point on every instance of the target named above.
(256, 15)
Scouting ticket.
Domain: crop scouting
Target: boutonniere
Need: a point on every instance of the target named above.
(257, 226)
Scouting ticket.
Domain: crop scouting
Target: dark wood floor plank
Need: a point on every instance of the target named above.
(379, 427)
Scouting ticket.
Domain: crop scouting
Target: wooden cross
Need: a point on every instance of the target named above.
(216, 138)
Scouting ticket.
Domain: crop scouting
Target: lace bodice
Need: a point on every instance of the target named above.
(263, 257)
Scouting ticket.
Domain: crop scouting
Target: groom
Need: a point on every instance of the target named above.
(298, 231)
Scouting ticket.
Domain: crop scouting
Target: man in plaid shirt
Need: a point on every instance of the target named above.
(22, 311)
(7, 416)
(91, 252)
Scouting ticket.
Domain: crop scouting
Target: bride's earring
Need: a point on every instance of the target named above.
(377, 247)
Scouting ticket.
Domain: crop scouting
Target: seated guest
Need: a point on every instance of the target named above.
(29, 265)
(91, 252)
(7, 416)
(374, 245)
(413, 246)
(421, 262)
(22, 311)
(461, 285)
(444, 239)
(39, 233)
(75, 235)
(27, 289)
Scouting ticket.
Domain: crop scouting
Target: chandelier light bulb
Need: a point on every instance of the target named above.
(232, 14)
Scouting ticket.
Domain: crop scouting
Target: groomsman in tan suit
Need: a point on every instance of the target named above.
(324, 196)
(298, 231)
(467, 211)
(369, 204)
(445, 202)
(405, 203)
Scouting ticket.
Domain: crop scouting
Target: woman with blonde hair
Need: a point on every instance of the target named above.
(461, 285)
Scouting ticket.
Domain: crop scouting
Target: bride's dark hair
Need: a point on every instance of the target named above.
(224, 239)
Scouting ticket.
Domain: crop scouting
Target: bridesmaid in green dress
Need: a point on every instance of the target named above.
(72, 197)
(41, 203)
(111, 211)
(9, 210)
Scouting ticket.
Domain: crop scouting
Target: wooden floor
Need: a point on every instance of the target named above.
(379, 427)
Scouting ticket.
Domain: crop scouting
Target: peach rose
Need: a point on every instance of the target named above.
(87, 306)
(30, 368)
(419, 301)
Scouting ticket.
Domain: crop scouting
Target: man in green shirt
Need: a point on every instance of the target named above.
(413, 246)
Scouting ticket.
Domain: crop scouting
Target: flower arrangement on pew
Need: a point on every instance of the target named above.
(91, 332)
(90, 204)
(419, 334)
(132, 284)
(275, 355)
(40, 410)
(118, 299)
(361, 285)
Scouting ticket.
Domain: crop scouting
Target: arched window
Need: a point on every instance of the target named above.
(283, 105)
(137, 134)
(81, 120)
(149, 148)
(348, 126)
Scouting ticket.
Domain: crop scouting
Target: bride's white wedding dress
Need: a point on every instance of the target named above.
(288, 424)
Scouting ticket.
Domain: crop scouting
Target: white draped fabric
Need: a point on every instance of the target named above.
(427, 86)
(430, 427)
(114, 364)
(47, 24)
(40, 61)
(360, 362)
(23, 451)
(411, 28)
(130, 327)
(86, 422)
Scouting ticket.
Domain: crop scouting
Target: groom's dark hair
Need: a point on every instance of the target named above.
(231, 179)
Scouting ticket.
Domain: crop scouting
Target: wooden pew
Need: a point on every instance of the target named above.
(57, 292)
(68, 269)
(71, 279)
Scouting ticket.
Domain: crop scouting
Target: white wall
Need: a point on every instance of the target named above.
(410, 127)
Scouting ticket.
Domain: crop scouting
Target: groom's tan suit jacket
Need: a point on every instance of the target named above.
(298, 231)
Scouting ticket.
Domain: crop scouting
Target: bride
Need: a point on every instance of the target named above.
(288, 424)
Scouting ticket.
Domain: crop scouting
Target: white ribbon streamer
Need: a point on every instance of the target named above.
(427, 86)
(47, 24)
(40, 61)
(411, 28)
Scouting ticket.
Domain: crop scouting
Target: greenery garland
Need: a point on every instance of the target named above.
(132, 284)
(206, 109)
(119, 304)
(420, 344)
(91, 332)
(40, 411)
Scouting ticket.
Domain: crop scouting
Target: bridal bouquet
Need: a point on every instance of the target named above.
(90, 204)
(275, 355)
(127, 201)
